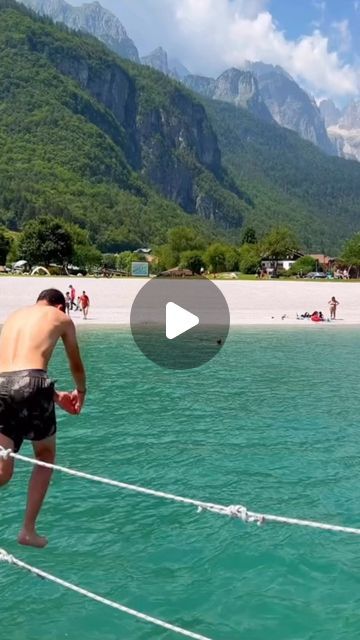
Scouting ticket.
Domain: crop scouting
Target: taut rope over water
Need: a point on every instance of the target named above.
(233, 511)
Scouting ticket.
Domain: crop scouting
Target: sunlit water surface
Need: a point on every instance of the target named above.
(272, 422)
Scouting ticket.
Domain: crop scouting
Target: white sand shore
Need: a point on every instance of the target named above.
(250, 302)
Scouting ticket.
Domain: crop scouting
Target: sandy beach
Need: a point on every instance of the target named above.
(250, 302)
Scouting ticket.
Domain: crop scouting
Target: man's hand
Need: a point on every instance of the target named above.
(66, 401)
(78, 399)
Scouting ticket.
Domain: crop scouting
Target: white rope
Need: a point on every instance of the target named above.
(6, 557)
(233, 511)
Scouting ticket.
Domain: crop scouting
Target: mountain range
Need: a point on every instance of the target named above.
(127, 152)
(106, 143)
(264, 89)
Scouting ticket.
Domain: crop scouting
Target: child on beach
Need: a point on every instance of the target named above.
(67, 303)
(333, 303)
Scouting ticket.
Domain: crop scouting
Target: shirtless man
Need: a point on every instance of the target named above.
(28, 396)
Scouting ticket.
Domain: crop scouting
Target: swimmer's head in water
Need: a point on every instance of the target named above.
(53, 298)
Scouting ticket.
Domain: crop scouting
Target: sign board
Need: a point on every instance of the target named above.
(140, 269)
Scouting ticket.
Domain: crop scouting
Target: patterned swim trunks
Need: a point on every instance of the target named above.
(27, 409)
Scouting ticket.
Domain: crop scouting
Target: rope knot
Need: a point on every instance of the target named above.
(5, 453)
(238, 511)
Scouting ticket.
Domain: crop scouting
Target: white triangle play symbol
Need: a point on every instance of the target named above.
(178, 320)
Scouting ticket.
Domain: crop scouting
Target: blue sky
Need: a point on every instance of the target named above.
(316, 41)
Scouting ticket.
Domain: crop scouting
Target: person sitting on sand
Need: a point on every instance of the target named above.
(317, 316)
(28, 396)
(333, 303)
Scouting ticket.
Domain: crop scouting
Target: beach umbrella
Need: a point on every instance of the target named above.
(19, 263)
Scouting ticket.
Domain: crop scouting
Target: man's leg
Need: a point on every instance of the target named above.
(6, 466)
(38, 486)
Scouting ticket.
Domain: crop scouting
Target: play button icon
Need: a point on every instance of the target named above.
(178, 320)
(180, 323)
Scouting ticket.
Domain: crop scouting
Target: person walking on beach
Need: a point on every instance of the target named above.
(72, 297)
(28, 396)
(333, 303)
(67, 303)
(85, 304)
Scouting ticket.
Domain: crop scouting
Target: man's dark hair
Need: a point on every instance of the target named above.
(53, 297)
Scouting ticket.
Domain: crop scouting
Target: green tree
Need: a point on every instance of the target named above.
(351, 253)
(249, 236)
(303, 266)
(215, 257)
(5, 245)
(249, 258)
(182, 239)
(109, 260)
(86, 256)
(231, 258)
(278, 243)
(193, 260)
(166, 258)
(126, 258)
(46, 240)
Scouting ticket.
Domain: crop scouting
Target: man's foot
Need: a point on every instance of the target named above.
(31, 539)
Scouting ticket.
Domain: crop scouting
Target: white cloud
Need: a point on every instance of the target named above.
(320, 5)
(210, 35)
(341, 36)
(226, 31)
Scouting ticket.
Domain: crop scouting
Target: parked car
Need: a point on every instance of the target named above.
(316, 275)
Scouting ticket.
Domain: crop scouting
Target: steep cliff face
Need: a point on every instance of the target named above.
(289, 105)
(330, 113)
(164, 133)
(345, 132)
(200, 84)
(177, 143)
(350, 118)
(91, 18)
(234, 86)
(241, 88)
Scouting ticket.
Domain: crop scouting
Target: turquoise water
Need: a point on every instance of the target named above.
(272, 422)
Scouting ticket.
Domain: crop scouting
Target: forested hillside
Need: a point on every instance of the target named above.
(111, 146)
(128, 153)
(289, 181)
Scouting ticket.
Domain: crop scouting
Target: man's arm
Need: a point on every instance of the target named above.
(76, 365)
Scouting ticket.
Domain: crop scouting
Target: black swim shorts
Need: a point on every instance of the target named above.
(27, 409)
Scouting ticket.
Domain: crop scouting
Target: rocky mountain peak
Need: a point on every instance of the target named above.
(236, 86)
(351, 116)
(92, 18)
(290, 105)
(158, 59)
(329, 111)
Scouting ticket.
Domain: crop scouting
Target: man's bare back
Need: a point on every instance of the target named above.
(29, 337)
(28, 396)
